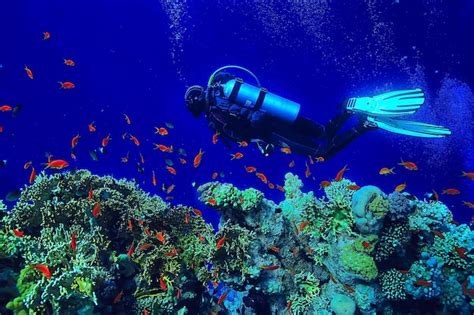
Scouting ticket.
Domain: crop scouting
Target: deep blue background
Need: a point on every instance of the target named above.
(138, 57)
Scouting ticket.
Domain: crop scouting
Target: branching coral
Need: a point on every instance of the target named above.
(429, 216)
(399, 206)
(393, 238)
(424, 278)
(392, 283)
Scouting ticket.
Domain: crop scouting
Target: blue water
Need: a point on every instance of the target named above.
(138, 58)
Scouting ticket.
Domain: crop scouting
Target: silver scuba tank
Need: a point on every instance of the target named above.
(255, 98)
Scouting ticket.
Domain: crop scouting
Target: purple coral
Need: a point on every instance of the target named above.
(399, 206)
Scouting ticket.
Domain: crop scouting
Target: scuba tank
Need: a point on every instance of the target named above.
(257, 98)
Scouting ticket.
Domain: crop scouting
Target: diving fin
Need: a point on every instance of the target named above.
(409, 128)
(390, 104)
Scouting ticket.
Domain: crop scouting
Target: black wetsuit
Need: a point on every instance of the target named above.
(237, 123)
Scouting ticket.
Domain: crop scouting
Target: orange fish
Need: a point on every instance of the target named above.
(127, 119)
(297, 232)
(340, 174)
(401, 187)
(386, 171)
(67, 85)
(32, 175)
(211, 201)
(161, 237)
(243, 144)
(469, 175)
(90, 194)
(435, 195)
(170, 189)
(29, 73)
(145, 312)
(320, 159)
(366, 244)
(147, 231)
(237, 156)
(118, 297)
(153, 178)
(43, 269)
(307, 172)
(201, 238)
(215, 137)
(353, 187)
(163, 148)
(182, 161)
(323, 184)
(163, 285)
(96, 210)
(73, 241)
(423, 283)
(286, 150)
(144, 246)
(106, 140)
(171, 170)
(250, 169)
(75, 141)
(57, 164)
(409, 165)
(214, 175)
(468, 204)
(197, 212)
(92, 127)
(142, 159)
(46, 35)
(222, 297)
(27, 165)
(69, 62)
(275, 249)
(303, 225)
(280, 188)
(270, 267)
(161, 131)
(461, 251)
(178, 294)
(131, 249)
(198, 158)
(135, 140)
(130, 225)
(271, 185)
(173, 252)
(349, 288)
(311, 161)
(451, 191)
(220, 243)
(18, 233)
(262, 177)
(6, 108)
(291, 164)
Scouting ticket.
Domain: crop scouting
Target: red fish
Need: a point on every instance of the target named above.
(130, 225)
(280, 188)
(468, 204)
(423, 283)
(222, 297)
(237, 156)
(366, 244)
(118, 297)
(153, 178)
(324, 184)
(286, 150)
(220, 243)
(32, 175)
(96, 210)
(106, 140)
(340, 174)
(271, 185)
(275, 249)
(29, 73)
(270, 267)
(43, 269)
(353, 187)
(6, 108)
(161, 237)
(451, 191)
(349, 288)
(171, 170)
(69, 62)
(163, 285)
(46, 35)
(163, 148)
(198, 158)
(90, 194)
(170, 189)
(131, 249)
(214, 175)
(161, 131)
(307, 172)
(211, 201)
(438, 234)
(297, 232)
(243, 144)
(469, 175)
(461, 251)
(262, 177)
(250, 169)
(57, 164)
(142, 159)
(145, 312)
(409, 165)
(73, 240)
(320, 159)
(303, 225)
(197, 212)
(135, 140)
(67, 85)
(178, 294)
(172, 253)
(18, 233)
(144, 246)
(182, 161)
(465, 290)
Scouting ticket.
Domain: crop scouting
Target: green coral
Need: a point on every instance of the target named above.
(296, 202)
(379, 206)
(342, 305)
(429, 216)
(339, 194)
(228, 196)
(359, 263)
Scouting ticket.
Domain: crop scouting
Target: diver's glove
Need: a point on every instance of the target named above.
(382, 112)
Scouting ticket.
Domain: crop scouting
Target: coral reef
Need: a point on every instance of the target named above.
(77, 243)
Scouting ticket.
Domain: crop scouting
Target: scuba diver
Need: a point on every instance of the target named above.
(239, 111)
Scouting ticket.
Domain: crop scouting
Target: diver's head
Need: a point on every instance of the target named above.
(195, 100)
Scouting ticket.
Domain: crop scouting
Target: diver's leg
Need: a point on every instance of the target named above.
(308, 127)
(339, 142)
(335, 124)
